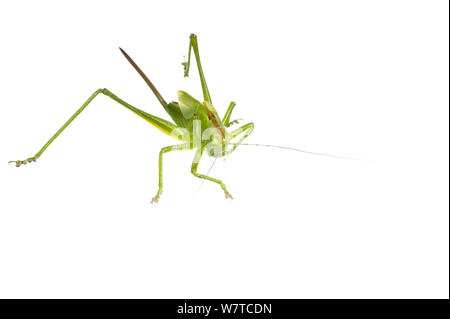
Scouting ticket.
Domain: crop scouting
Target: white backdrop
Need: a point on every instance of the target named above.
(366, 79)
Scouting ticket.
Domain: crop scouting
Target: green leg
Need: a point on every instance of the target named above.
(179, 147)
(194, 167)
(246, 130)
(226, 117)
(193, 44)
(159, 123)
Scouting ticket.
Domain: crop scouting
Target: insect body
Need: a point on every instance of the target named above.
(196, 123)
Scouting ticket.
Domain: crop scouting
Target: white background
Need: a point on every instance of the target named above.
(366, 79)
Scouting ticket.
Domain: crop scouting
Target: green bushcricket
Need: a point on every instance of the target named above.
(197, 124)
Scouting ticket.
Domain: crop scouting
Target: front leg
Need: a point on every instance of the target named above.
(245, 131)
(179, 147)
(194, 167)
(226, 117)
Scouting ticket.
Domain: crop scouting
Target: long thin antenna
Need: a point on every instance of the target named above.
(146, 79)
(299, 150)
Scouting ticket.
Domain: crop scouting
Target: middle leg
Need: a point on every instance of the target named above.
(178, 147)
(194, 167)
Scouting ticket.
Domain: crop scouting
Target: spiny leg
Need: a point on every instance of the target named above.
(159, 123)
(246, 130)
(226, 118)
(179, 147)
(194, 167)
(193, 44)
(38, 154)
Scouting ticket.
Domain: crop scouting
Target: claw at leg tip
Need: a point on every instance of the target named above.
(155, 200)
(18, 163)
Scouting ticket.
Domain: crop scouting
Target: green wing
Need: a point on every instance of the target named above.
(191, 109)
(183, 112)
(188, 105)
(174, 111)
